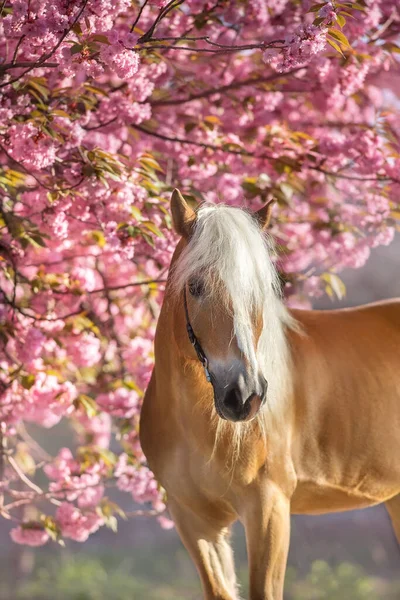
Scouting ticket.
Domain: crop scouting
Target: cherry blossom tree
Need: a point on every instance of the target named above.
(105, 106)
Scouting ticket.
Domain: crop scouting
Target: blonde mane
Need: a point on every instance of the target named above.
(234, 260)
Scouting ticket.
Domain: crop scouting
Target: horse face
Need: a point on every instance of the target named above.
(239, 389)
(228, 340)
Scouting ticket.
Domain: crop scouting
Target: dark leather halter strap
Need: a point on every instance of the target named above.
(201, 355)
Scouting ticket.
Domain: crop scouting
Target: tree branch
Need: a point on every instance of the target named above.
(114, 288)
(258, 157)
(226, 50)
(22, 65)
(167, 138)
(224, 88)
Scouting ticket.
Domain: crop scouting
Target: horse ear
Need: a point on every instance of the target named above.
(183, 216)
(263, 215)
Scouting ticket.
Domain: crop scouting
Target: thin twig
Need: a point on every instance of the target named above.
(353, 177)
(41, 453)
(136, 21)
(23, 477)
(17, 48)
(100, 125)
(163, 13)
(145, 513)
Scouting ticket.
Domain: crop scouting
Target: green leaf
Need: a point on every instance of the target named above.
(190, 126)
(251, 188)
(316, 7)
(107, 456)
(391, 47)
(39, 85)
(318, 21)
(95, 90)
(147, 238)
(153, 228)
(213, 119)
(335, 46)
(27, 381)
(87, 403)
(36, 240)
(341, 20)
(100, 38)
(76, 28)
(131, 385)
(98, 238)
(136, 213)
(339, 36)
(76, 48)
(357, 6)
(334, 285)
(60, 113)
(150, 163)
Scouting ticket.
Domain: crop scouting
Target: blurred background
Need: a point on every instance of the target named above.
(347, 556)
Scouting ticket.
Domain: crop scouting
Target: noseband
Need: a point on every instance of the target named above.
(201, 355)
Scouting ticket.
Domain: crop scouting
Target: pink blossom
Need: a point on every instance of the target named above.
(124, 62)
(29, 535)
(120, 403)
(84, 349)
(299, 48)
(72, 483)
(62, 466)
(32, 346)
(48, 400)
(327, 12)
(76, 524)
(165, 522)
(96, 430)
(85, 277)
(31, 146)
(139, 482)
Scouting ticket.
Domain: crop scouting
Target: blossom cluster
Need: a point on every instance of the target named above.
(105, 106)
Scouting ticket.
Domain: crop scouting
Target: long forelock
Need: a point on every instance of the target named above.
(228, 247)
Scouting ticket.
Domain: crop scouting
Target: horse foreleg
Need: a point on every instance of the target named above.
(267, 525)
(393, 508)
(207, 541)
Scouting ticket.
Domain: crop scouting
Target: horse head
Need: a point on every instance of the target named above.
(226, 286)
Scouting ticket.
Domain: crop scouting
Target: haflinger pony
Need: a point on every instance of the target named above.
(255, 411)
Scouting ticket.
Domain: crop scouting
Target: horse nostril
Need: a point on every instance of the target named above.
(233, 399)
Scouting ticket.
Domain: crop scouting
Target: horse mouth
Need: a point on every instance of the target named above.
(247, 413)
(219, 410)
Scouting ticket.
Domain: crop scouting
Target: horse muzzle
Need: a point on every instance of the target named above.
(237, 404)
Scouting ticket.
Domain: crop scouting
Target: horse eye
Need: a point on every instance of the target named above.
(196, 288)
